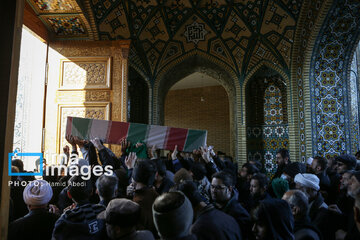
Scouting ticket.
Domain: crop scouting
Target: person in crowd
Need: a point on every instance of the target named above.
(222, 193)
(198, 172)
(279, 187)
(182, 175)
(318, 167)
(290, 172)
(309, 184)
(357, 212)
(106, 188)
(258, 190)
(162, 183)
(282, 160)
(344, 163)
(37, 195)
(273, 220)
(121, 217)
(142, 191)
(209, 223)
(299, 204)
(243, 182)
(79, 221)
(173, 216)
(344, 201)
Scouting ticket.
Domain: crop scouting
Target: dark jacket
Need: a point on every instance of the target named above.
(212, 224)
(37, 224)
(165, 186)
(145, 197)
(278, 216)
(81, 223)
(242, 217)
(304, 230)
(316, 206)
(138, 235)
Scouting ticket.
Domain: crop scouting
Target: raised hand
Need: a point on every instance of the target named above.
(153, 154)
(205, 153)
(70, 140)
(124, 145)
(130, 160)
(174, 153)
(79, 142)
(97, 143)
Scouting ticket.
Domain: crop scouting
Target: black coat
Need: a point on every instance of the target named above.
(81, 223)
(37, 224)
(242, 217)
(212, 224)
(304, 230)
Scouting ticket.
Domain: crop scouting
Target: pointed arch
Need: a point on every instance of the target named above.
(197, 61)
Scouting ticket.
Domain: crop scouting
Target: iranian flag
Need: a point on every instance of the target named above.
(112, 132)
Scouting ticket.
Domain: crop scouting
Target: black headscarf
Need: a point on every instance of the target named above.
(278, 217)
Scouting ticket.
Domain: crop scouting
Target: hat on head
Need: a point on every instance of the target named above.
(37, 192)
(121, 212)
(348, 160)
(309, 161)
(308, 180)
(280, 186)
(144, 172)
(174, 220)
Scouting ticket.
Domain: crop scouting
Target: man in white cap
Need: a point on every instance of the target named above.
(39, 222)
(309, 184)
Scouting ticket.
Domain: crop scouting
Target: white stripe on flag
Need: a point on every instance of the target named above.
(99, 129)
(157, 136)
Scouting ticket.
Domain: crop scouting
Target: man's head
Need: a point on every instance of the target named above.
(299, 203)
(282, 157)
(79, 190)
(37, 194)
(258, 185)
(247, 171)
(191, 191)
(107, 186)
(144, 173)
(173, 215)
(121, 217)
(318, 165)
(222, 185)
(345, 162)
(291, 170)
(19, 164)
(308, 183)
(354, 185)
(345, 179)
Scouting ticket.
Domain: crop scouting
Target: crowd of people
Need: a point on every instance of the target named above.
(202, 195)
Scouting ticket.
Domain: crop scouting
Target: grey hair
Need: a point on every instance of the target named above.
(107, 186)
(299, 199)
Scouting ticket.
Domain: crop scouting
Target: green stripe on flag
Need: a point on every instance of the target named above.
(81, 127)
(137, 132)
(195, 139)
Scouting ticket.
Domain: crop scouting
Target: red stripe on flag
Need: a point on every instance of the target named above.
(176, 136)
(68, 126)
(117, 131)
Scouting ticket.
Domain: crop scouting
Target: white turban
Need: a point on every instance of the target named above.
(308, 180)
(309, 161)
(37, 192)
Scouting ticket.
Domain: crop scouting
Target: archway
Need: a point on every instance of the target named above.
(197, 63)
(138, 98)
(200, 102)
(266, 117)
